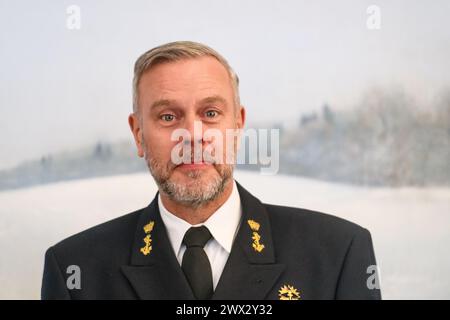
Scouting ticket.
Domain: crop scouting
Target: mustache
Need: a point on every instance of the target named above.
(203, 156)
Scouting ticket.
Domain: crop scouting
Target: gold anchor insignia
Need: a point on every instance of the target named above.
(255, 237)
(288, 292)
(256, 245)
(148, 238)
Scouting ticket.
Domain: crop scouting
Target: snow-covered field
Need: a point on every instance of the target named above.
(410, 226)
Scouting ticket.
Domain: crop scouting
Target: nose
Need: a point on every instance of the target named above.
(195, 128)
(194, 137)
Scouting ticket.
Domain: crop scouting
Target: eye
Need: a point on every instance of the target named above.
(211, 113)
(167, 117)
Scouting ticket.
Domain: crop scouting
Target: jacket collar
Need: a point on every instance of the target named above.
(248, 273)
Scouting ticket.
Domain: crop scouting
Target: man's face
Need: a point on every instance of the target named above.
(175, 95)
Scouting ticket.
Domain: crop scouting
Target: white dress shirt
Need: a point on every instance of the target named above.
(223, 225)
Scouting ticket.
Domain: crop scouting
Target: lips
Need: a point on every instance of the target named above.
(199, 165)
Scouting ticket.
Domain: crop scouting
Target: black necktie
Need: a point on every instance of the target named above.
(195, 264)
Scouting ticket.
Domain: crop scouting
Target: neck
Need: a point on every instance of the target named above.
(197, 215)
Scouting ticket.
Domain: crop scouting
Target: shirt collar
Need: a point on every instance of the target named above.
(223, 224)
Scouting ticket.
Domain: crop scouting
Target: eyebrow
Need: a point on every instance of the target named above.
(214, 99)
(162, 103)
(168, 102)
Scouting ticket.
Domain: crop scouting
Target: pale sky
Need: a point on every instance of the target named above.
(61, 89)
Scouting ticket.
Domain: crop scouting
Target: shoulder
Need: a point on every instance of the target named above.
(99, 240)
(311, 219)
(315, 229)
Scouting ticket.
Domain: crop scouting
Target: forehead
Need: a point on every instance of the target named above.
(187, 77)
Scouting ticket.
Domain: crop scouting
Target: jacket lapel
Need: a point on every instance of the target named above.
(157, 274)
(250, 273)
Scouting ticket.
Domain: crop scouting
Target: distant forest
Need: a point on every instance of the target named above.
(387, 139)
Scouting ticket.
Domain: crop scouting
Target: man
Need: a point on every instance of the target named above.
(204, 236)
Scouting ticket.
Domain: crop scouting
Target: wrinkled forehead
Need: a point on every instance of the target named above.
(187, 79)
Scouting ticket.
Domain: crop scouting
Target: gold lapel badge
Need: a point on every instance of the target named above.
(255, 236)
(288, 292)
(148, 238)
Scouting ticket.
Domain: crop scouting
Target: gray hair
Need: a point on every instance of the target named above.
(176, 51)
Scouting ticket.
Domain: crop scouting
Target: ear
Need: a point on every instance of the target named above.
(135, 126)
(240, 120)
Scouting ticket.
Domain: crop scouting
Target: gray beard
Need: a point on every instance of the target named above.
(197, 193)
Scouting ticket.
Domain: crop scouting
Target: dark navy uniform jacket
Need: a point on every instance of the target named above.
(311, 255)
